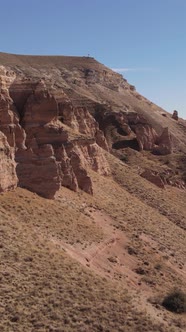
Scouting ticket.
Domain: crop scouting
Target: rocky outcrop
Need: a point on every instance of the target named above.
(83, 179)
(37, 170)
(153, 177)
(8, 178)
(79, 156)
(9, 118)
(90, 154)
(40, 125)
(164, 143)
(129, 129)
(175, 115)
(80, 120)
(146, 136)
(49, 146)
(45, 168)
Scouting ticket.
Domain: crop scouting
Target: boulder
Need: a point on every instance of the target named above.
(153, 177)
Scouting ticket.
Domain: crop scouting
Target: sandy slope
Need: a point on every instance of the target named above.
(82, 263)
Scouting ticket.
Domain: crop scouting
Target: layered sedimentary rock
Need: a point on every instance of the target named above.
(8, 178)
(50, 146)
(37, 170)
(80, 120)
(42, 137)
(9, 118)
(59, 115)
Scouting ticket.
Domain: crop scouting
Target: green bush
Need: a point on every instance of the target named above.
(175, 301)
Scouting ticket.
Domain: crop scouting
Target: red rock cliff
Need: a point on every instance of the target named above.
(59, 114)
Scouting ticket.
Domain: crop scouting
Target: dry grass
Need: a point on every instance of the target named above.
(169, 202)
(42, 289)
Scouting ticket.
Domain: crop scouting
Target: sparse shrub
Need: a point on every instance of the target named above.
(131, 251)
(112, 259)
(175, 301)
(140, 270)
(158, 266)
(124, 158)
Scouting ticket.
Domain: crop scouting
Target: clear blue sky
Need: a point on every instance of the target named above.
(145, 39)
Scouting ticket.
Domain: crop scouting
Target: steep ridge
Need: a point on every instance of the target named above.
(58, 113)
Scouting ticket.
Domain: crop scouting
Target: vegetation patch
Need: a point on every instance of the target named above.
(175, 301)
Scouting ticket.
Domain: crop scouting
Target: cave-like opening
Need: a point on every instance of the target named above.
(133, 144)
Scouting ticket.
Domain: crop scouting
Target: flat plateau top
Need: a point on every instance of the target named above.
(7, 59)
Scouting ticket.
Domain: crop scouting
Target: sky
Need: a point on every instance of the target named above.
(144, 40)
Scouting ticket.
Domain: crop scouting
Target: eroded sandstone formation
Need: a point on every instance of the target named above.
(164, 143)
(54, 143)
(129, 129)
(53, 133)
(8, 178)
(9, 118)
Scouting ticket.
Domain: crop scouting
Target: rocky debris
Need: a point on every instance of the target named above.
(176, 183)
(175, 115)
(8, 177)
(170, 178)
(162, 178)
(153, 177)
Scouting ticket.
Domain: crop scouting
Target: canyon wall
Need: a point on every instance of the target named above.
(53, 133)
